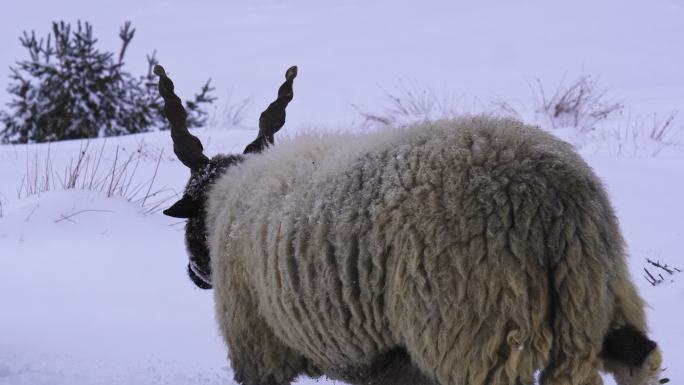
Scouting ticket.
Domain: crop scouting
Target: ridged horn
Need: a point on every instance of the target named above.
(273, 118)
(187, 147)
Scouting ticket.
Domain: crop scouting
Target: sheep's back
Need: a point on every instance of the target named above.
(329, 231)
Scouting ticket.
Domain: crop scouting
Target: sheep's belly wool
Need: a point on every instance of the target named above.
(463, 242)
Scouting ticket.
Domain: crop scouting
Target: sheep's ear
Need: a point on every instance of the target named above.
(273, 117)
(184, 208)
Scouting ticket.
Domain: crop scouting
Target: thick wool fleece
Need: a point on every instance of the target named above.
(485, 248)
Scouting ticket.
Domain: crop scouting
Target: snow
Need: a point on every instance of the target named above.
(93, 288)
(104, 286)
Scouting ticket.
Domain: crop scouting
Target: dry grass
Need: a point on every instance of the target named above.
(233, 114)
(581, 103)
(408, 102)
(646, 136)
(499, 106)
(87, 171)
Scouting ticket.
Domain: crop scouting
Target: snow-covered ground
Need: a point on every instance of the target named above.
(93, 288)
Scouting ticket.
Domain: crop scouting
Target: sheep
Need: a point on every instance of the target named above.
(470, 251)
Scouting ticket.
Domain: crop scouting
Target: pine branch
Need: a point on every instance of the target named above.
(151, 62)
(126, 34)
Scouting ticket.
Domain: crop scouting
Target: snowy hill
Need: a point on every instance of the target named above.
(92, 279)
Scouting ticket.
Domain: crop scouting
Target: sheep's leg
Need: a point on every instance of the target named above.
(573, 358)
(466, 318)
(391, 368)
(256, 355)
(565, 370)
(628, 353)
(579, 316)
(263, 361)
(400, 371)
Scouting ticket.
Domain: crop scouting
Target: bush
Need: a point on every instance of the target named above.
(69, 89)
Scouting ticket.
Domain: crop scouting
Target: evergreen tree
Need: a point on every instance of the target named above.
(69, 89)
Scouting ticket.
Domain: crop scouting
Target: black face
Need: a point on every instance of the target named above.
(192, 206)
(188, 148)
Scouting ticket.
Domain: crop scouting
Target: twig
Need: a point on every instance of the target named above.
(655, 281)
(659, 265)
(97, 166)
(21, 186)
(154, 176)
(31, 213)
(668, 269)
(127, 185)
(156, 206)
(68, 217)
(651, 279)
